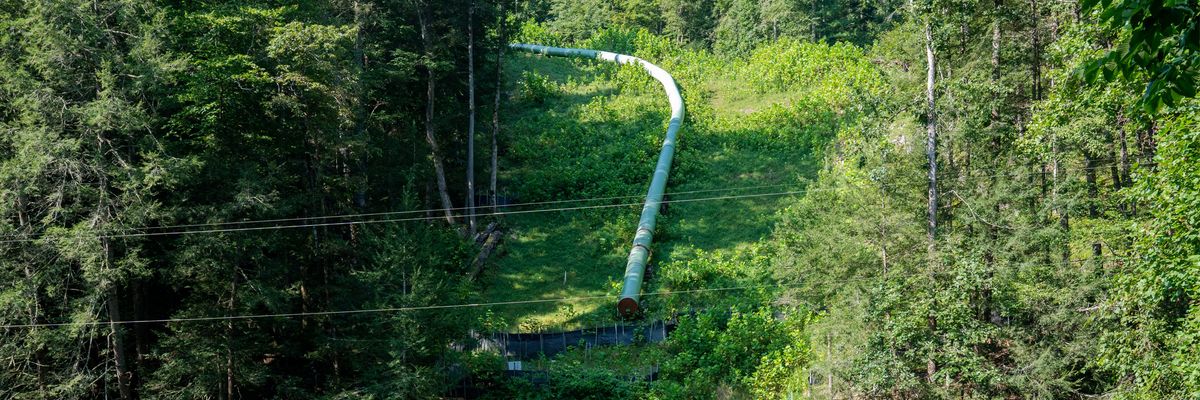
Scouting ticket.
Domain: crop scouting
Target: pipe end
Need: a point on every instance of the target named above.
(627, 307)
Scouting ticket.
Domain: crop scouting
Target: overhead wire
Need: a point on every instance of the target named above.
(367, 311)
(467, 305)
(392, 220)
(403, 212)
(436, 210)
(441, 210)
(34, 237)
(342, 223)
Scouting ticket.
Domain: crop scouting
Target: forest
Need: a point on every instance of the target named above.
(360, 199)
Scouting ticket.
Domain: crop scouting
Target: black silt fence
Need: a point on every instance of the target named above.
(525, 346)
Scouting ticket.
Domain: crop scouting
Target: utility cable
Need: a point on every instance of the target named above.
(392, 220)
(31, 237)
(440, 210)
(461, 305)
(371, 310)
(428, 210)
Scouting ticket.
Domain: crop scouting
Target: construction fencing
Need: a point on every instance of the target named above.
(528, 346)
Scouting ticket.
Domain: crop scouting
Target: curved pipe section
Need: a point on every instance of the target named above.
(635, 266)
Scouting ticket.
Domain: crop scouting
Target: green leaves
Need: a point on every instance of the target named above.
(536, 88)
(1160, 45)
(749, 349)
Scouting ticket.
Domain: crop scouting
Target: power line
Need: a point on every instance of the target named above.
(475, 305)
(998, 263)
(392, 220)
(32, 237)
(247, 222)
(430, 210)
(455, 208)
(372, 310)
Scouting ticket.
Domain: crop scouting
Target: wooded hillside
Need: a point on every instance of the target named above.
(881, 199)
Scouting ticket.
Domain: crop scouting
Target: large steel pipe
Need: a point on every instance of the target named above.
(635, 266)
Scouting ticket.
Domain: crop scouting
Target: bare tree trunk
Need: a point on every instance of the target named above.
(39, 354)
(989, 257)
(1114, 171)
(1121, 121)
(360, 117)
(996, 17)
(931, 139)
(883, 233)
(1090, 166)
(1036, 65)
(1124, 161)
(995, 114)
(487, 240)
(471, 118)
(496, 111)
(36, 305)
(229, 339)
(141, 334)
(112, 298)
(116, 333)
(931, 156)
(829, 360)
(1146, 145)
(118, 346)
(430, 137)
(1063, 220)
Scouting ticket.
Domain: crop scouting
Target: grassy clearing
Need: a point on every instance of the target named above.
(731, 99)
(595, 137)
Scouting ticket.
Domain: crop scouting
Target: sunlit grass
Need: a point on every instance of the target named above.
(582, 253)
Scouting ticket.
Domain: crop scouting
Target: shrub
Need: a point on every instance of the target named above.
(536, 88)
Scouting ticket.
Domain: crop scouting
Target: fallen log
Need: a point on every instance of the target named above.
(489, 239)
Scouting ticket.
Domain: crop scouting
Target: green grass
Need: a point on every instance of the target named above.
(553, 255)
(582, 253)
(731, 99)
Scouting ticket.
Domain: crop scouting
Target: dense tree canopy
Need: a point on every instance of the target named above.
(264, 199)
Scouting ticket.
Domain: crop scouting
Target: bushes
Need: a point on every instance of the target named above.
(1157, 296)
(603, 145)
(617, 40)
(839, 74)
(532, 32)
(748, 350)
(598, 135)
(600, 147)
(573, 382)
(591, 383)
(536, 88)
(737, 342)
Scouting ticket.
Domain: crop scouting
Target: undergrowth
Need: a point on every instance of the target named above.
(583, 129)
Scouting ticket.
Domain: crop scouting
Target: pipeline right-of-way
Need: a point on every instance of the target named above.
(635, 266)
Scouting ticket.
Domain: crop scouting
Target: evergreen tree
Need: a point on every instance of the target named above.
(81, 159)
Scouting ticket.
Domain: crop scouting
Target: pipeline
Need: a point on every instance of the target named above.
(635, 266)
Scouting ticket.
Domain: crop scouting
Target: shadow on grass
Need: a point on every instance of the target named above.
(572, 254)
(582, 253)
